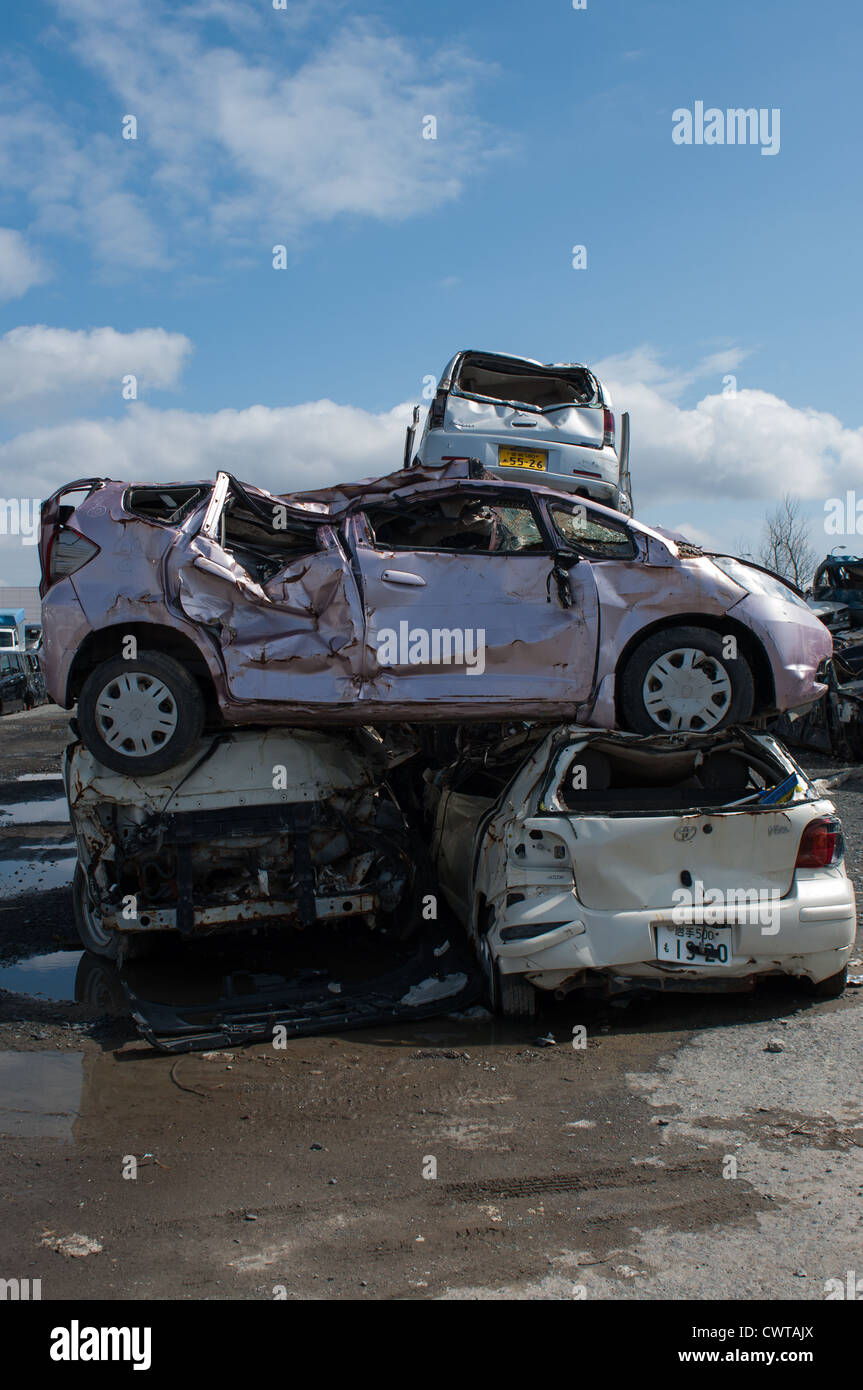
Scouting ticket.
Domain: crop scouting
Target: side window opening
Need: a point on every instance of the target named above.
(264, 547)
(459, 524)
(583, 529)
(167, 505)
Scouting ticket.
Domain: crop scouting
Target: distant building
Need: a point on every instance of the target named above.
(28, 599)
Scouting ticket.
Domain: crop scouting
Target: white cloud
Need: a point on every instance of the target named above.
(285, 448)
(749, 444)
(38, 362)
(20, 267)
(718, 464)
(252, 144)
(642, 366)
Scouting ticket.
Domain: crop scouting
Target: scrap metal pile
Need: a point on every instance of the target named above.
(282, 701)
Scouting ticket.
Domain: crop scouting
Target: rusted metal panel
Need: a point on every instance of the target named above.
(272, 826)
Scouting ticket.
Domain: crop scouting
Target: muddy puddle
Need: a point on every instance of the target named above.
(45, 868)
(193, 994)
(45, 811)
(40, 1094)
(50, 976)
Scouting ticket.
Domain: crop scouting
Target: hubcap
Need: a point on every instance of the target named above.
(686, 689)
(136, 714)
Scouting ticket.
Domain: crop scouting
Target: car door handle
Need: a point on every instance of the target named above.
(403, 577)
(560, 575)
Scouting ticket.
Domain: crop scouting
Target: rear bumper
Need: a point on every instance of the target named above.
(569, 467)
(808, 933)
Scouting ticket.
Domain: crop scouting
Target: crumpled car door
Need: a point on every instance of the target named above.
(529, 634)
(289, 625)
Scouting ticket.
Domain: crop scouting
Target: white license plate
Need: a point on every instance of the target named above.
(691, 945)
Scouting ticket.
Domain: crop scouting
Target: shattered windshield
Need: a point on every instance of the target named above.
(540, 388)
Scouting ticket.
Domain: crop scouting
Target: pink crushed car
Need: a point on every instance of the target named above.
(438, 593)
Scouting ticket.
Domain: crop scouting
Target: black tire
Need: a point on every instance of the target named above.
(735, 705)
(99, 940)
(183, 706)
(832, 987)
(510, 996)
(513, 996)
(98, 985)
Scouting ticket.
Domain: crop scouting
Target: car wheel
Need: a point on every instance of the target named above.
(510, 996)
(94, 935)
(98, 985)
(832, 987)
(680, 680)
(515, 996)
(140, 716)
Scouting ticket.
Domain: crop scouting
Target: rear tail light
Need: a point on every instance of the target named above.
(537, 848)
(607, 427)
(436, 410)
(821, 844)
(68, 551)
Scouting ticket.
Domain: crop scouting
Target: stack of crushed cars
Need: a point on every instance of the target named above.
(325, 709)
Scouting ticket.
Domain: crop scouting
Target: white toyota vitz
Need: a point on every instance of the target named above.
(579, 858)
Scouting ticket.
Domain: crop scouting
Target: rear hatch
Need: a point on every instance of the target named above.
(556, 405)
(627, 864)
(648, 820)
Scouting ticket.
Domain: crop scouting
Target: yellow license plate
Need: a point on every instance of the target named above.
(521, 458)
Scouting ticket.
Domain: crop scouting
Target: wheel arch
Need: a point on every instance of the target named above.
(748, 644)
(108, 642)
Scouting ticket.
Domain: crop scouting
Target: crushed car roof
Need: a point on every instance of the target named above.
(331, 504)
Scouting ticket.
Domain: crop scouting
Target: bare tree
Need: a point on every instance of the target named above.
(743, 550)
(785, 544)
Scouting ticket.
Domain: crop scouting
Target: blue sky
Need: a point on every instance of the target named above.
(302, 127)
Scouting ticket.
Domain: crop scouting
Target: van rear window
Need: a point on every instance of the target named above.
(539, 387)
